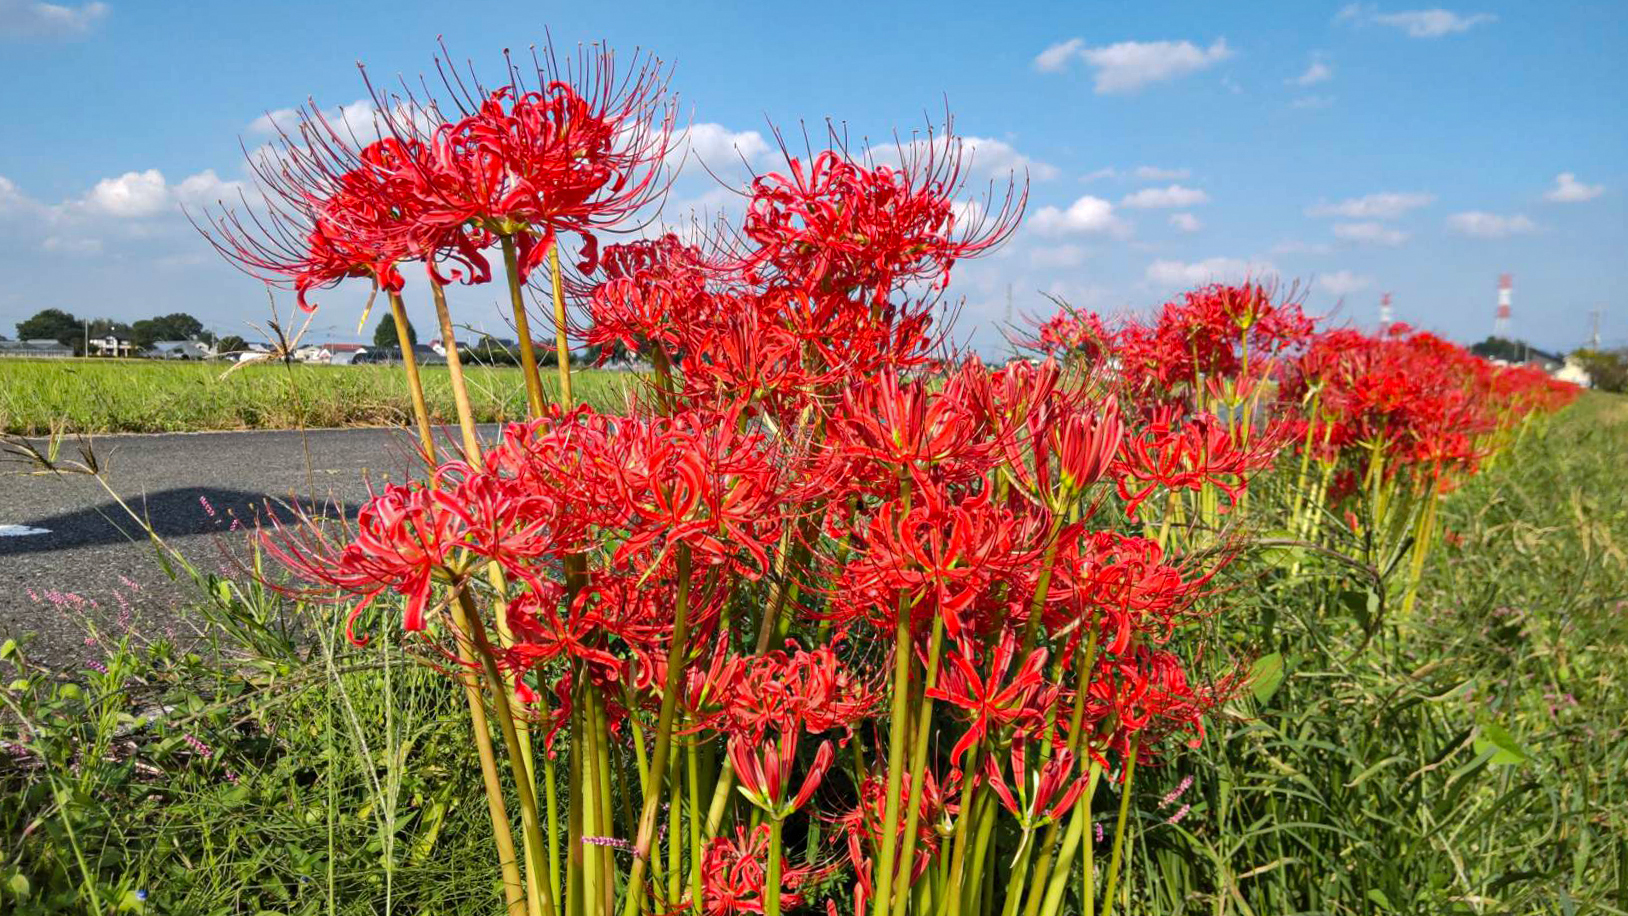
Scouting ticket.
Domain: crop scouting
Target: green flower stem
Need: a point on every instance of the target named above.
(771, 881)
(514, 892)
(693, 783)
(562, 346)
(1119, 829)
(664, 737)
(1087, 662)
(1079, 822)
(918, 761)
(522, 327)
(882, 876)
(532, 831)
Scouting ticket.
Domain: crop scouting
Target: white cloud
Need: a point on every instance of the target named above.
(1342, 283)
(1168, 273)
(10, 196)
(26, 19)
(1088, 214)
(360, 122)
(1173, 196)
(1100, 173)
(719, 147)
(133, 194)
(1186, 222)
(1318, 72)
(1568, 190)
(1385, 205)
(1127, 66)
(1055, 58)
(1490, 225)
(1431, 23)
(138, 195)
(1369, 233)
(1057, 256)
(1312, 102)
(980, 155)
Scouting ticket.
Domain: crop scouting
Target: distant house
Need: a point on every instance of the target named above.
(336, 354)
(179, 349)
(37, 348)
(1574, 372)
(112, 346)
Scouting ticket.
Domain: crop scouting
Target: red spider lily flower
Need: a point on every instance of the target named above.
(906, 425)
(807, 690)
(405, 540)
(1041, 796)
(1191, 456)
(697, 479)
(545, 631)
(943, 548)
(1146, 695)
(584, 149)
(764, 780)
(653, 291)
(733, 871)
(1001, 698)
(835, 224)
(862, 825)
(1124, 584)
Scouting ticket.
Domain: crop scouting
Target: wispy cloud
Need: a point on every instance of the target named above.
(1128, 66)
(1172, 196)
(1384, 205)
(1317, 72)
(1186, 222)
(1167, 274)
(1568, 190)
(1370, 233)
(1431, 23)
(26, 19)
(1342, 283)
(1485, 225)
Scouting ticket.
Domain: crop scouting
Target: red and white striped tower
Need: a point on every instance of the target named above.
(1506, 287)
(1385, 316)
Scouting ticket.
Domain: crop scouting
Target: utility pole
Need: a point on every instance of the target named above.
(86, 351)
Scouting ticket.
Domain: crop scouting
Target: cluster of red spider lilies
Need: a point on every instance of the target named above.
(823, 618)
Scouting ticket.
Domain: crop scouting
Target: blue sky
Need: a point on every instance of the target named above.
(1355, 148)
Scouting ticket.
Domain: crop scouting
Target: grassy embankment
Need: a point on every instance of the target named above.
(144, 396)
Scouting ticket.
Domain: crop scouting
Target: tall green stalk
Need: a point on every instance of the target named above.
(664, 737)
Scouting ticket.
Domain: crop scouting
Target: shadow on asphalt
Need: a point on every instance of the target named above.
(173, 513)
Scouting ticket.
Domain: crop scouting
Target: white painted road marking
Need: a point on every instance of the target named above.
(17, 531)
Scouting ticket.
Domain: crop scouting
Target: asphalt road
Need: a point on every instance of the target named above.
(71, 557)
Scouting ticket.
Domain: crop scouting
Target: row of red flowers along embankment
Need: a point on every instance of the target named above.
(821, 580)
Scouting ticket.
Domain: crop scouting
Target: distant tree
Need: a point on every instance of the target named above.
(1510, 351)
(107, 327)
(176, 326)
(231, 343)
(385, 334)
(1607, 368)
(53, 324)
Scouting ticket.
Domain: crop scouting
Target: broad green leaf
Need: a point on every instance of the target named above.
(1265, 676)
(1494, 736)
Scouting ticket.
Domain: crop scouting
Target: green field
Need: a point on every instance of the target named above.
(145, 396)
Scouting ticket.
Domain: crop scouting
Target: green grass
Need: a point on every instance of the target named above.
(144, 396)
